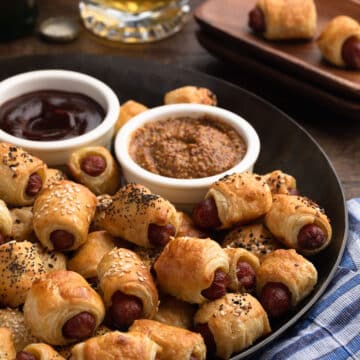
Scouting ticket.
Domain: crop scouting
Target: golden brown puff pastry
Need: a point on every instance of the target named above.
(134, 210)
(187, 266)
(176, 343)
(53, 176)
(62, 215)
(121, 270)
(190, 94)
(55, 301)
(255, 238)
(289, 268)
(5, 222)
(7, 349)
(20, 266)
(116, 345)
(291, 219)
(240, 198)
(103, 202)
(281, 183)
(175, 312)
(188, 228)
(14, 320)
(236, 321)
(333, 37)
(43, 352)
(288, 19)
(87, 258)
(52, 260)
(95, 167)
(237, 255)
(22, 223)
(22, 175)
(128, 110)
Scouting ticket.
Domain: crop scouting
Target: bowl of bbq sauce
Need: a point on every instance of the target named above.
(51, 113)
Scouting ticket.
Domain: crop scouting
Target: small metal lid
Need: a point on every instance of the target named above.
(59, 29)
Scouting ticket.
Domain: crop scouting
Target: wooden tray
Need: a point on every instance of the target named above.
(227, 21)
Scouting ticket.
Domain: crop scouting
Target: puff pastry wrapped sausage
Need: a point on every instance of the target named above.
(127, 111)
(284, 19)
(339, 42)
(95, 168)
(116, 345)
(234, 199)
(128, 289)
(7, 349)
(87, 258)
(62, 308)
(175, 343)
(299, 223)
(5, 223)
(283, 279)
(255, 238)
(22, 175)
(20, 266)
(62, 215)
(190, 94)
(281, 183)
(14, 320)
(141, 217)
(192, 269)
(242, 269)
(231, 323)
(40, 351)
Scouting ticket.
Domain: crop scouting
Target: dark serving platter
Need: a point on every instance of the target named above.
(284, 144)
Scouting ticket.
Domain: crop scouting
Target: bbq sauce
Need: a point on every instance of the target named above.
(49, 115)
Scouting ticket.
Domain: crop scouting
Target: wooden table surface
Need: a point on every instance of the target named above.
(340, 138)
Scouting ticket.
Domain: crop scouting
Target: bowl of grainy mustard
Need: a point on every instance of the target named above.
(179, 150)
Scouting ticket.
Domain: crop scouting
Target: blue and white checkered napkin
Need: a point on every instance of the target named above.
(331, 330)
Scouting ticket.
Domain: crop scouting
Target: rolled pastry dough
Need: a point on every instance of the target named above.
(107, 182)
(332, 38)
(16, 166)
(55, 299)
(43, 352)
(116, 345)
(122, 270)
(87, 258)
(133, 209)
(289, 19)
(236, 322)
(289, 268)
(7, 349)
(240, 198)
(65, 206)
(255, 238)
(289, 214)
(176, 343)
(187, 266)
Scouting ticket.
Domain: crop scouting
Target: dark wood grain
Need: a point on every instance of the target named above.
(338, 136)
(302, 58)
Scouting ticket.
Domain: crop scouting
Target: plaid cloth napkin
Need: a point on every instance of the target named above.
(331, 330)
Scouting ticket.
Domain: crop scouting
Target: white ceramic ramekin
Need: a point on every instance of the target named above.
(56, 153)
(183, 193)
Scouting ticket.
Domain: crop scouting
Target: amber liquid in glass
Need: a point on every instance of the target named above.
(134, 21)
(135, 6)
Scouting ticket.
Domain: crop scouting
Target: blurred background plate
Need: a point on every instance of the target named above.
(296, 64)
(284, 144)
